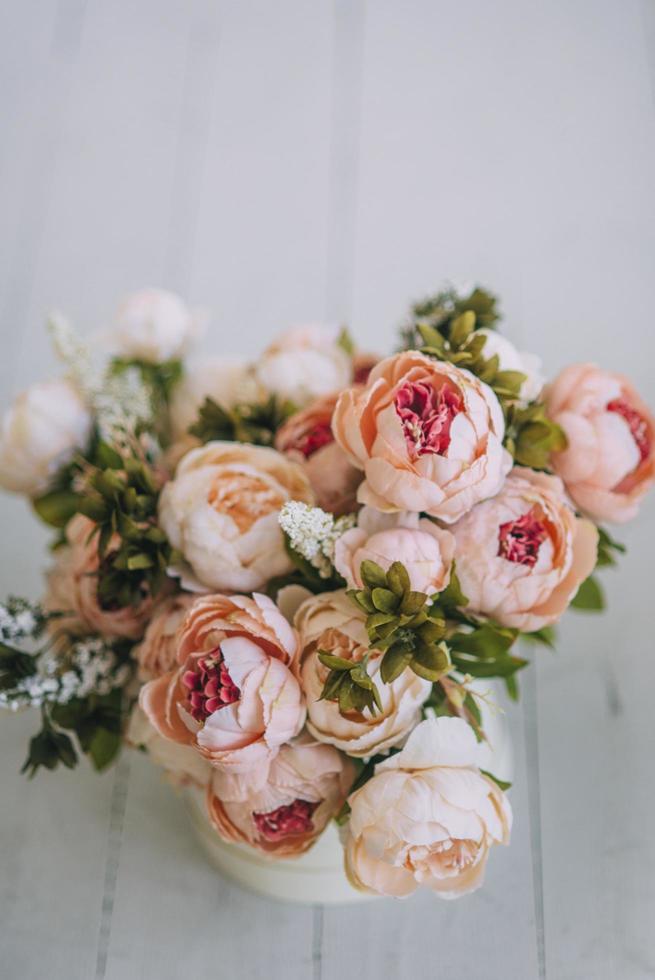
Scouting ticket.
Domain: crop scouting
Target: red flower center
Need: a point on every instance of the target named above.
(520, 540)
(313, 440)
(209, 686)
(427, 416)
(636, 422)
(287, 821)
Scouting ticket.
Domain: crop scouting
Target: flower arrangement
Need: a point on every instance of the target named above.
(287, 580)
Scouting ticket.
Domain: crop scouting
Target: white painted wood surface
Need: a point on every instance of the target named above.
(279, 161)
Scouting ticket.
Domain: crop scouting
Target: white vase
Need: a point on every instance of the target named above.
(318, 875)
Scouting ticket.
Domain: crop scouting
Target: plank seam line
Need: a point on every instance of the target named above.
(317, 943)
(112, 861)
(531, 728)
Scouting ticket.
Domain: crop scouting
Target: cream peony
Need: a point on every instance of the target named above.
(221, 512)
(425, 549)
(182, 764)
(522, 556)
(427, 817)
(510, 359)
(39, 434)
(427, 435)
(609, 463)
(154, 325)
(307, 438)
(329, 622)
(73, 588)
(304, 362)
(307, 784)
(233, 696)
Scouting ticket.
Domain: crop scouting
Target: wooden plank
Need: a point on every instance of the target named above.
(260, 247)
(250, 160)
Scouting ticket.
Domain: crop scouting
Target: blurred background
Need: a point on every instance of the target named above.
(279, 161)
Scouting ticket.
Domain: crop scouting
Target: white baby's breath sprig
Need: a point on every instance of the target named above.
(313, 533)
(89, 666)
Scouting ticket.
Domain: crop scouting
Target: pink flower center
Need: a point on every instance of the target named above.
(287, 821)
(520, 540)
(636, 422)
(426, 416)
(209, 686)
(313, 440)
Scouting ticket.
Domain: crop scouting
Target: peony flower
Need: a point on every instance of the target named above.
(39, 434)
(330, 623)
(154, 325)
(307, 438)
(157, 652)
(425, 549)
(232, 695)
(609, 463)
(510, 359)
(427, 435)
(522, 556)
(73, 588)
(427, 817)
(307, 785)
(304, 362)
(223, 380)
(221, 512)
(182, 764)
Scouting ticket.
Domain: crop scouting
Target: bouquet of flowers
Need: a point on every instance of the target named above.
(289, 581)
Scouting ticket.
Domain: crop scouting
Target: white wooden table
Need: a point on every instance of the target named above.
(292, 160)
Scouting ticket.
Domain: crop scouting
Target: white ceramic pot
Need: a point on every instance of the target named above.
(318, 876)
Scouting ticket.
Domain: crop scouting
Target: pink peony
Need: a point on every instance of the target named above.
(609, 463)
(425, 549)
(73, 588)
(329, 622)
(232, 696)
(522, 556)
(427, 817)
(427, 435)
(306, 786)
(307, 439)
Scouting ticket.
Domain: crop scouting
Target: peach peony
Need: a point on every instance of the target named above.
(157, 652)
(307, 438)
(232, 695)
(609, 463)
(425, 549)
(304, 362)
(306, 786)
(522, 556)
(427, 817)
(427, 435)
(73, 588)
(181, 763)
(330, 622)
(221, 512)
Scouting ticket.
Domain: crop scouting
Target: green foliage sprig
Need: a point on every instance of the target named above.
(349, 684)
(531, 437)
(439, 311)
(254, 422)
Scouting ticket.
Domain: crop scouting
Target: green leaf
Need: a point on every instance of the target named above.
(103, 748)
(334, 663)
(547, 635)
(394, 662)
(589, 596)
(57, 508)
(373, 575)
(500, 783)
(384, 600)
